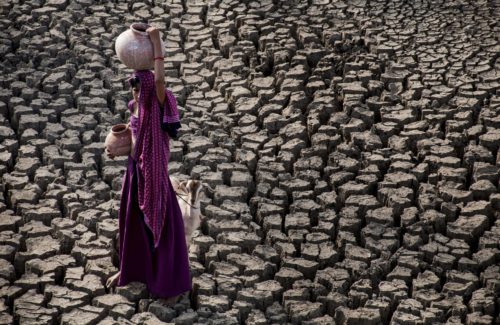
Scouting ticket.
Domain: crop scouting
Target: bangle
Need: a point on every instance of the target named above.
(159, 58)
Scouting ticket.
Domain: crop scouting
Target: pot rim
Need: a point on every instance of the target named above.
(144, 26)
(116, 126)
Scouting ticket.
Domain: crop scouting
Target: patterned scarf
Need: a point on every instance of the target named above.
(152, 153)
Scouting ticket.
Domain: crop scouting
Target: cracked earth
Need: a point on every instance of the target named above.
(353, 147)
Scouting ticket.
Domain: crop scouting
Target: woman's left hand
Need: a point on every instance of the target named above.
(154, 34)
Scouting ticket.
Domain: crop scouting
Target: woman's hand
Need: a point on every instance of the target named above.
(109, 154)
(132, 147)
(154, 35)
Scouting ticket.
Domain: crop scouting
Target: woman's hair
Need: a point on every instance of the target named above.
(134, 81)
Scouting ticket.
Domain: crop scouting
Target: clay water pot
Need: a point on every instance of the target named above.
(119, 140)
(134, 47)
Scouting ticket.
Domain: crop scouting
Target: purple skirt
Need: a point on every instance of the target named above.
(164, 270)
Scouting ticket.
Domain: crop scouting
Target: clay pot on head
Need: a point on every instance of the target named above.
(134, 48)
(119, 140)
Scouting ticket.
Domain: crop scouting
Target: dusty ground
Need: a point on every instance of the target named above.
(353, 146)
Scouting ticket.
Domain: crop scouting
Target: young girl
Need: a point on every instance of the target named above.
(152, 246)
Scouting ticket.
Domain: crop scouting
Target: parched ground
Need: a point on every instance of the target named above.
(353, 147)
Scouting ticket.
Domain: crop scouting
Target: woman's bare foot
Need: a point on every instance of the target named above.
(169, 301)
(113, 280)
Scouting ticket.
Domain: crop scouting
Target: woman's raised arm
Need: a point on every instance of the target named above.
(154, 35)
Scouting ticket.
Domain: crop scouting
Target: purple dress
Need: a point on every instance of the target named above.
(165, 270)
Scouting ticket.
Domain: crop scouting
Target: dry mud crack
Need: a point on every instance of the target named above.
(353, 147)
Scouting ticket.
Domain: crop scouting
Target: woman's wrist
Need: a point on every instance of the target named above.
(157, 53)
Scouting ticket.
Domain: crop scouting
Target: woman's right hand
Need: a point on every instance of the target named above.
(109, 154)
(132, 147)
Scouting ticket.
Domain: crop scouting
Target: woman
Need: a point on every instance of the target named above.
(152, 244)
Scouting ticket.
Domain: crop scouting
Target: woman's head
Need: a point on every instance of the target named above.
(142, 85)
(135, 85)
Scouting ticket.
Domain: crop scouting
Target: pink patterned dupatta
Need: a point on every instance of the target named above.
(152, 154)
